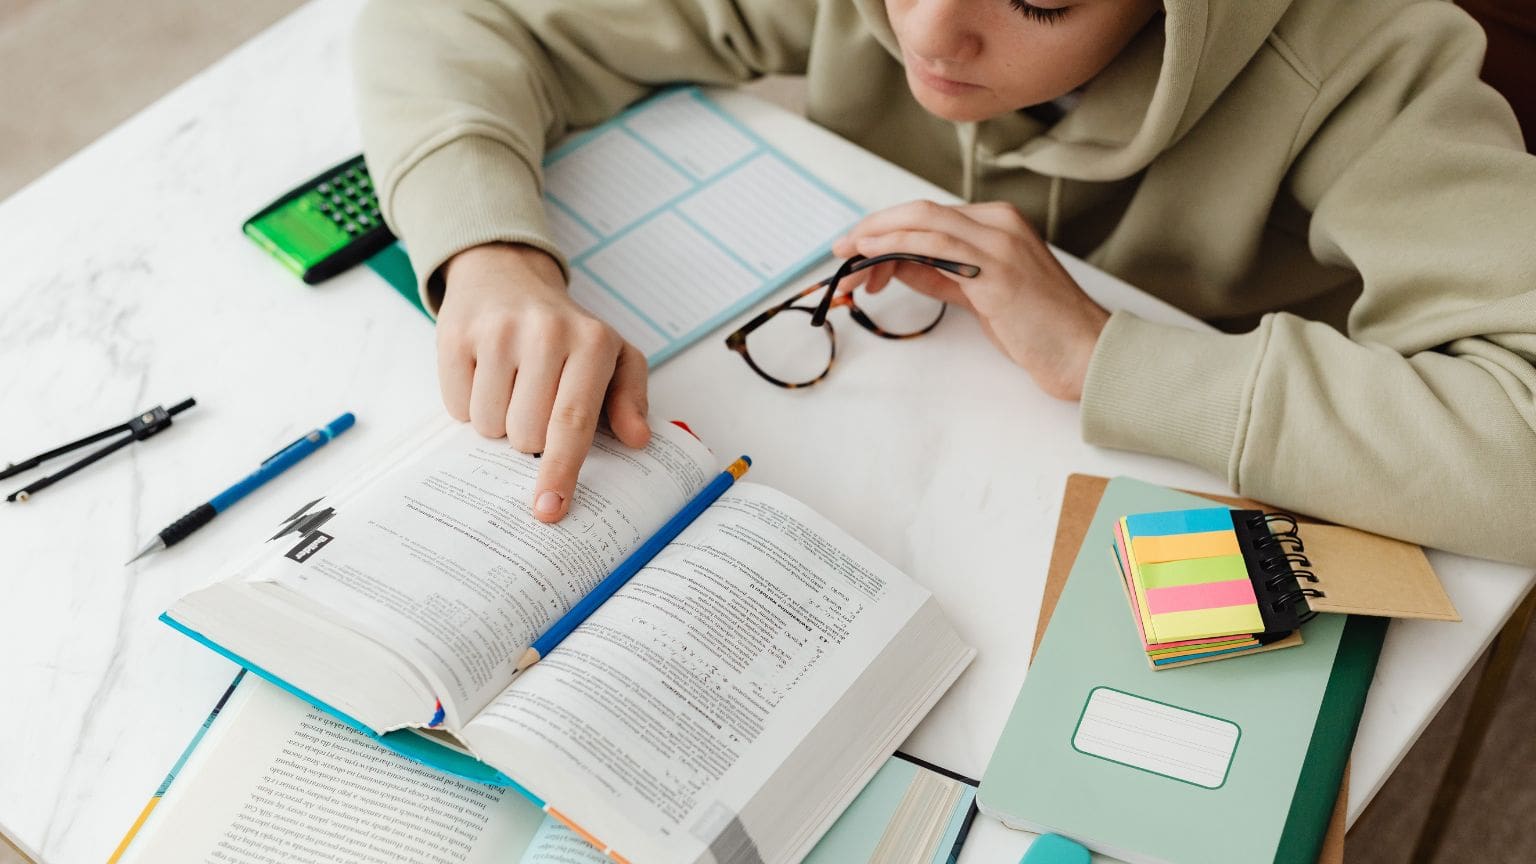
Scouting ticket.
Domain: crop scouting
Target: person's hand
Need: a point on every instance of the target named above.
(516, 356)
(1028, 305)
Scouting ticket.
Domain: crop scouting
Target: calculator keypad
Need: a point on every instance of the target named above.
(348, 200)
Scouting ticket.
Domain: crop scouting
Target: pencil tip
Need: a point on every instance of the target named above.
(149, 547)
(530, 657)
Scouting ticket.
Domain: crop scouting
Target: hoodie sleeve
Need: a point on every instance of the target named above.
(1419, 423)
(457, 99)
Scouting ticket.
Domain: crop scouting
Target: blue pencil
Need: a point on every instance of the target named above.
(631, 565)
(274, 465)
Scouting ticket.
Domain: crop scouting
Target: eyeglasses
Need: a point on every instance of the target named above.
(780, 347)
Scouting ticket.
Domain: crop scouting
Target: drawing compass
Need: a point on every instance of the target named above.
(139, 427)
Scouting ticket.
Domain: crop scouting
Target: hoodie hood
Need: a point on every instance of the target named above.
(1142, 102)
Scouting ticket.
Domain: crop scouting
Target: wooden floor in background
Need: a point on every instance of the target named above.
(9, 854)
(72, 69)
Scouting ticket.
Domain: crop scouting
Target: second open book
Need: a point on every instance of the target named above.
(724, 705)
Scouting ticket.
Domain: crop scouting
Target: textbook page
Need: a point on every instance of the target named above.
(675, 218)
(277, 780)
(441, 560)
(658, 720)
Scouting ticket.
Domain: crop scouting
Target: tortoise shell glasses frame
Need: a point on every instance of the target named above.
(830, 300)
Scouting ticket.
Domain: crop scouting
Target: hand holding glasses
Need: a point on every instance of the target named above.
(780, 347)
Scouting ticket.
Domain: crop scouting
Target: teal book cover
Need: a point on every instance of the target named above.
(1237, 760)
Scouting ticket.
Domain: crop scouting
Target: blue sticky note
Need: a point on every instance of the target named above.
(1179, 522)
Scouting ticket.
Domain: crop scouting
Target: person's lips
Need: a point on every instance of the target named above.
(947, 86)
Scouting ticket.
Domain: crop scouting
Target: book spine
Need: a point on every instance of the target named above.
(1338, 719)
(170, 777)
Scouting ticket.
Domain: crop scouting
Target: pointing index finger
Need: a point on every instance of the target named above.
(578, 404)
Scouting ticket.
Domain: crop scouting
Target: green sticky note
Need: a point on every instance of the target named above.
(1193, 571)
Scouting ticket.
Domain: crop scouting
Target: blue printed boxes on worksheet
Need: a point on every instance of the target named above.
(676, 218)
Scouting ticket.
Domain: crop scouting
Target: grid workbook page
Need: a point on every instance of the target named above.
(676, 218)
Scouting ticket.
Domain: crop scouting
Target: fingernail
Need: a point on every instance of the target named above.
(548, 502)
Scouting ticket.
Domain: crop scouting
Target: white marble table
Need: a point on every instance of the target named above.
(127, 283)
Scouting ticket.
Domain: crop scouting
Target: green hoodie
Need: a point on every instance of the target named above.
(1328, 182)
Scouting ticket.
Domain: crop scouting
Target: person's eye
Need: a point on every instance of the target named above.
(1042, 14)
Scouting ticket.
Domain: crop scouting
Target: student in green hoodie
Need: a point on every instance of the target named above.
(1327, 183)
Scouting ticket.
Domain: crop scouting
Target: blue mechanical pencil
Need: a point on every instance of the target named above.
(276, 464)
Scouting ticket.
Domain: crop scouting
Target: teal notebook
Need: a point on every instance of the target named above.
(1218, 762)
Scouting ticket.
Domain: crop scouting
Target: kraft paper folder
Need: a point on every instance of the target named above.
(1079, 503)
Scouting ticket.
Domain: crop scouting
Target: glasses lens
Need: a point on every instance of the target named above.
(788, 348)
(898, 310)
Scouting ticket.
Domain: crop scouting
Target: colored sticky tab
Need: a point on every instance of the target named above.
(1137, 613)
(1204, 646)
(1185, 643)
(1202, 655)
(1224, 568)
(1157, 548)
(1226, 621)
(1201, 595)
(1180, 522)
(1130, 569)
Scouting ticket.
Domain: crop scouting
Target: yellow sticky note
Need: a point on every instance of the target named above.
(1200, 623)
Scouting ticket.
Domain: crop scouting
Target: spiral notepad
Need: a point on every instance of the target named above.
(1212, 583)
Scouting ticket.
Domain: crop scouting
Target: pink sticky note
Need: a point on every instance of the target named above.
(1204, 595)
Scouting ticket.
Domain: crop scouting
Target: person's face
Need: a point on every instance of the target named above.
(974, 59)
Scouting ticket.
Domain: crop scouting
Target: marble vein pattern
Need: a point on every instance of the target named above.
(127, 283)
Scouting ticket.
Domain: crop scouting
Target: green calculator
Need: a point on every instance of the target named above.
(324, 225)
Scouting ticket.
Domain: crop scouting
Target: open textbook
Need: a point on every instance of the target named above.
(271, 778)
(725, 705)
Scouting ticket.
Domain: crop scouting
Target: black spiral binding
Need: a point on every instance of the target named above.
(1286, 542)
(1276, 559)
(1300, 595)
(1257, 519)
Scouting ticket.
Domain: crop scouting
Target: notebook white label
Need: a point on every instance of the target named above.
(1157, 737)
